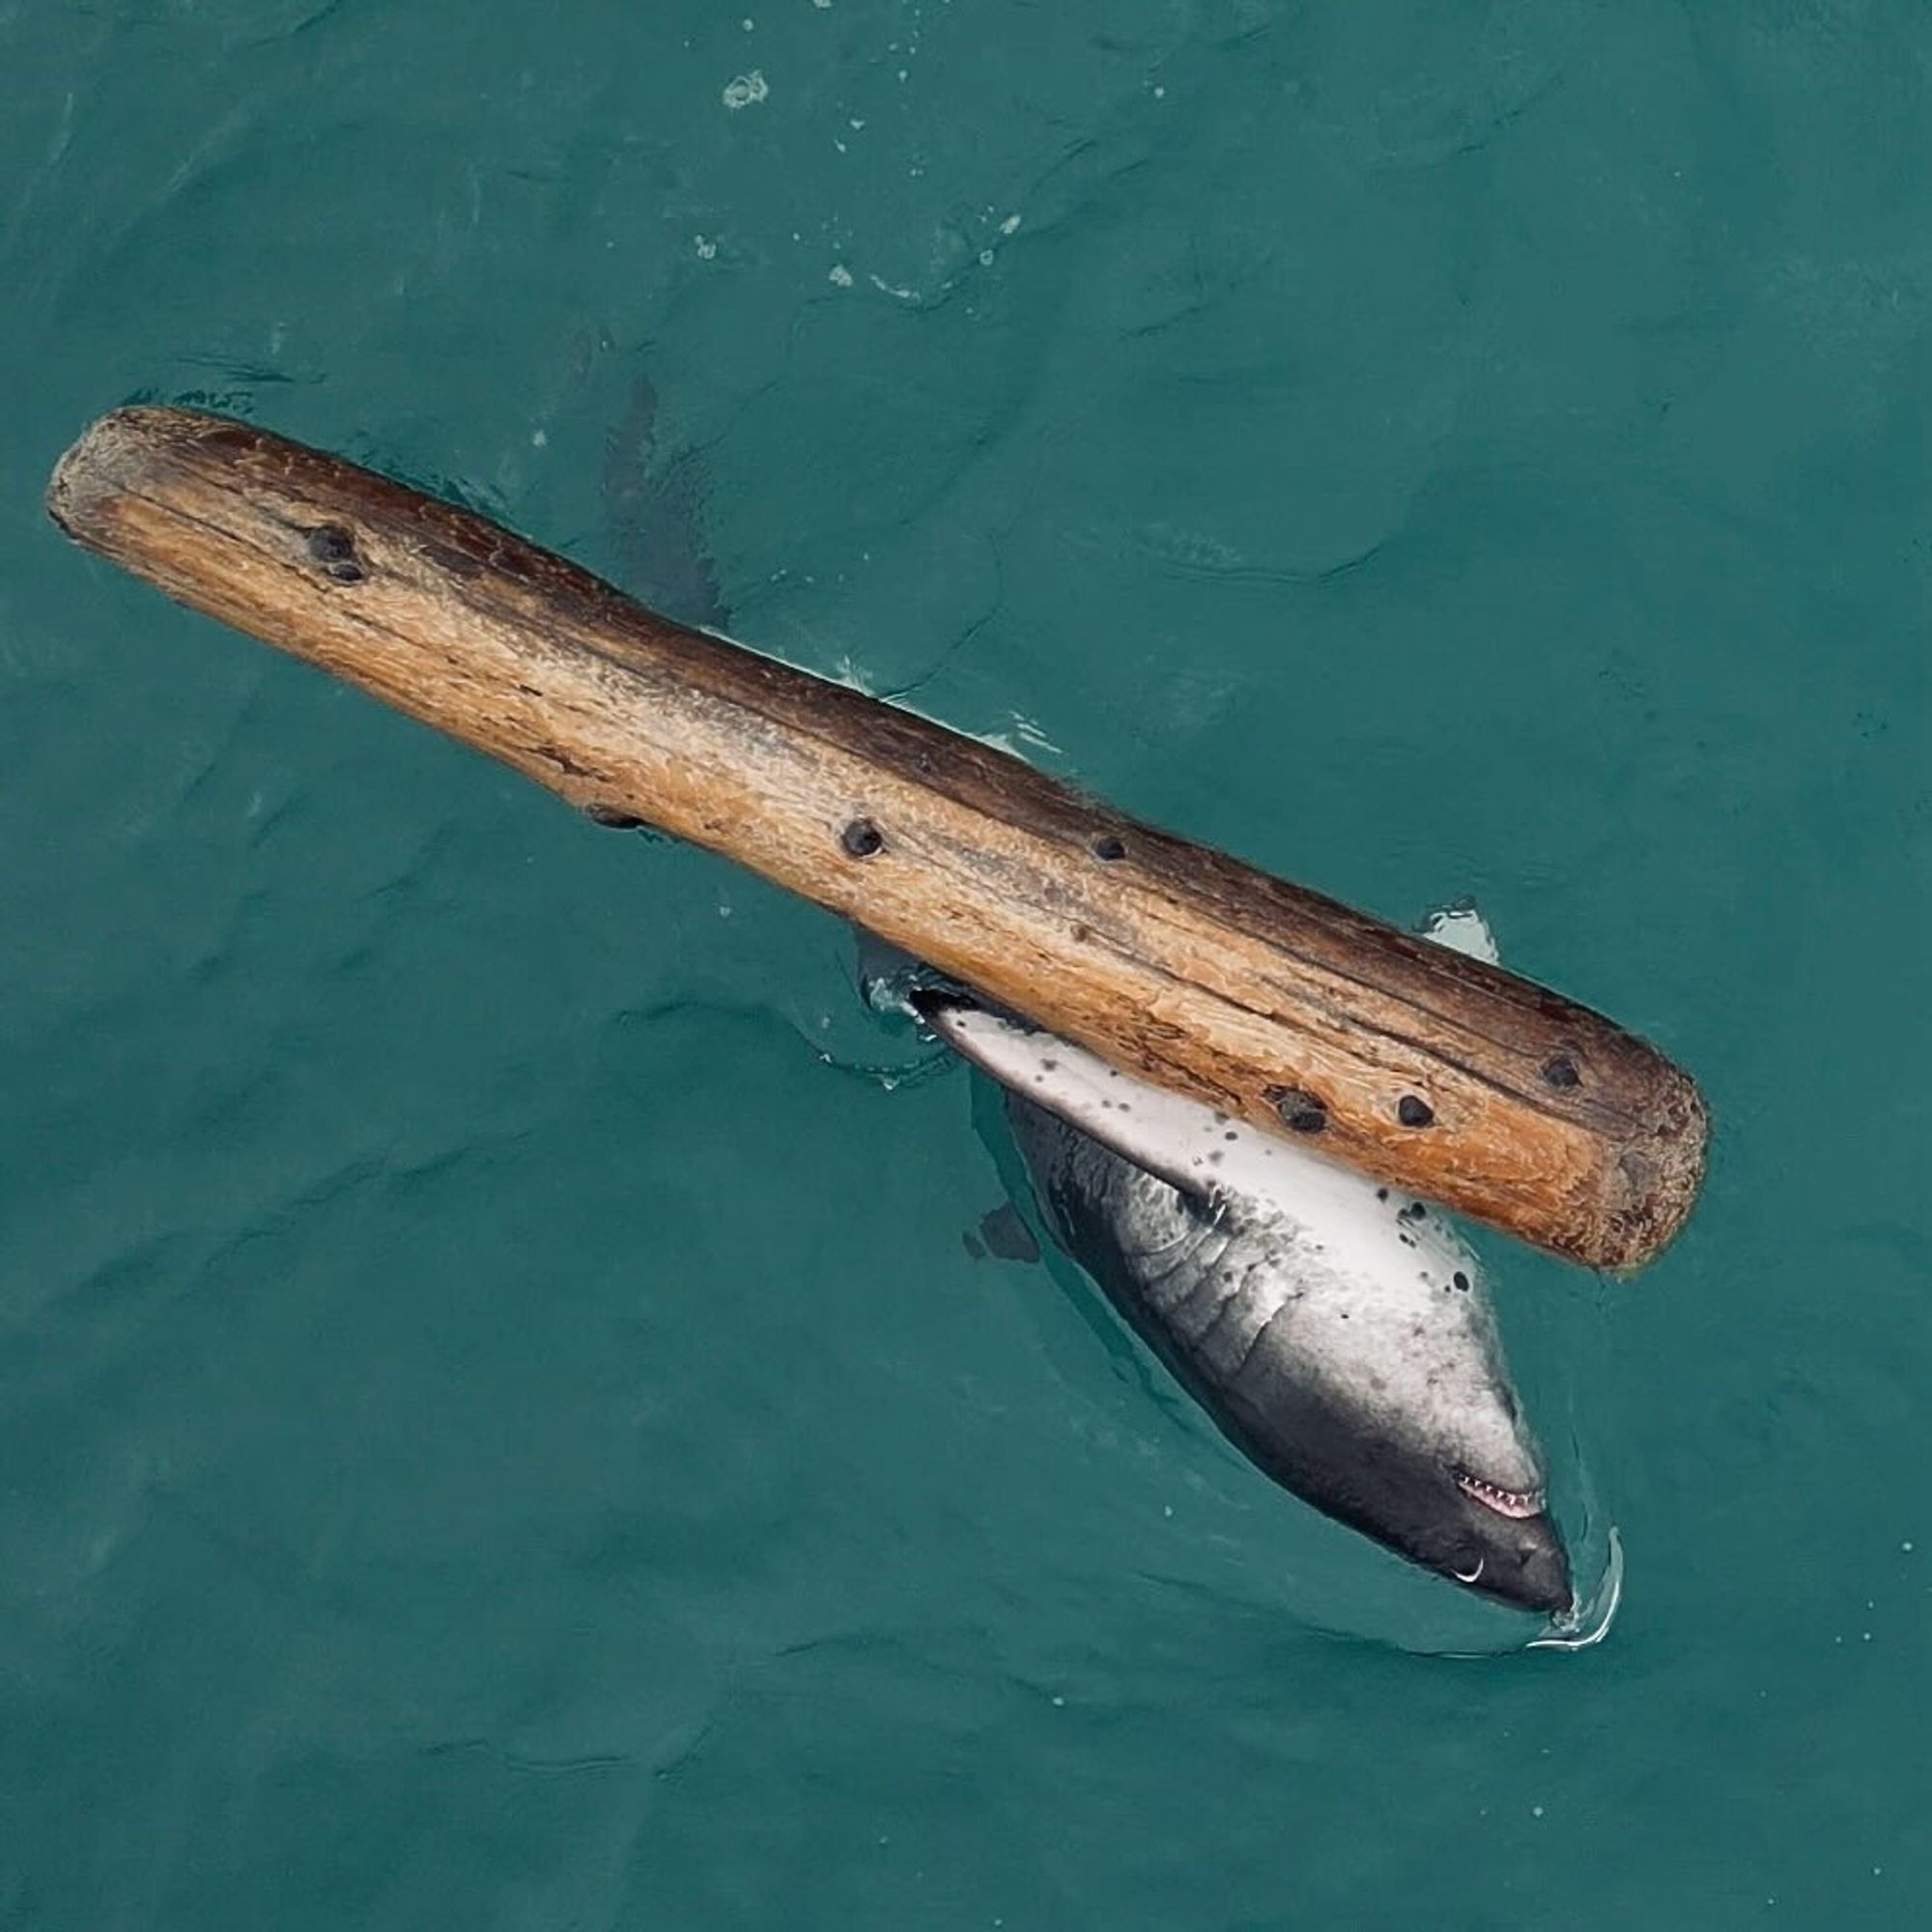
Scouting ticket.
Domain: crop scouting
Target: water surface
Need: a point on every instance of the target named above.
(498, 1423)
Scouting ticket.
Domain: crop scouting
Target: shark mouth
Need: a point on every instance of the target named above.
(1516, 1503)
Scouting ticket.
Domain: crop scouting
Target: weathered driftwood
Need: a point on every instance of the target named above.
(1437, 1073)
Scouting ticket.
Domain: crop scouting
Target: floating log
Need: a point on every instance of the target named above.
(1437, 1073)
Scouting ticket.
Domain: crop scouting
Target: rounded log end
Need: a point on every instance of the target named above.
(1654, 1181)
(82, 477)
(108, 459)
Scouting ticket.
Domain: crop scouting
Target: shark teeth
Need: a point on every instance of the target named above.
(1505, 1502)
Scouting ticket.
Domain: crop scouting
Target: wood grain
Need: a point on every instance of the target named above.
(1437, 1073)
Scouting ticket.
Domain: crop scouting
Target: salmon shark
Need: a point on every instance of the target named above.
(1339, 1333)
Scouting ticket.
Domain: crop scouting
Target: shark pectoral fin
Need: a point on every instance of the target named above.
(1171, 1138)
(1461, 927)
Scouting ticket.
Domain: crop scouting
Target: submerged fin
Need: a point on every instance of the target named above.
(654, 497)
(1004, 1235)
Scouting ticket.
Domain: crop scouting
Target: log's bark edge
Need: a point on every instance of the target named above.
(1437, 1073)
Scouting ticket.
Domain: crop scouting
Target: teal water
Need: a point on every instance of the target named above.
(498, 1423)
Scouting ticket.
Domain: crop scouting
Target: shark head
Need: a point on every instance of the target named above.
(1386, 1403)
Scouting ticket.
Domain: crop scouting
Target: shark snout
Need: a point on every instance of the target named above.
(1490, 1537)
(1519, 1559)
